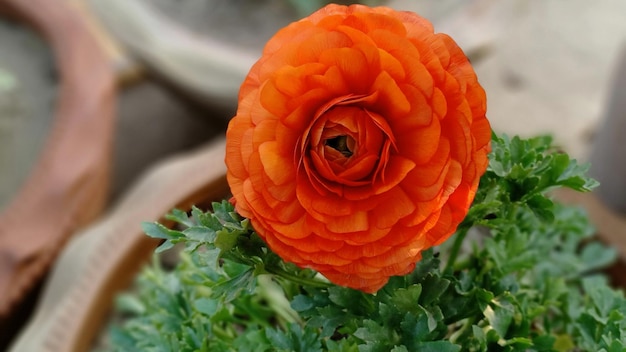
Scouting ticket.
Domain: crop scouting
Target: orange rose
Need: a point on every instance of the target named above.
(359, 141)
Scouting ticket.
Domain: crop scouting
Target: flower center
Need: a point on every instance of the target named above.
(346, 145)
(341, 144)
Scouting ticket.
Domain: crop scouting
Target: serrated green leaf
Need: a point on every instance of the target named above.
(231, 288)
(209, 257)
(200, 234)
(205, 219)
(156, 230)
(359, 302)
(301, 303)
(226, 240)
(343, 345)
(417, 327)
(542, 207)
(543, 343)
(253, 340)
(180, 217)
(278, 339)
(574, 177)
(432, 288)
(596, 256)
(406, 299)
(206, 306)
(500, 315)
(438, 346)
(589, 328)
(330, 318)
(479, 335)
(429, 264)
(166, 245)
(294, 339)
(602, 296)
(371, 331)
(616, 346)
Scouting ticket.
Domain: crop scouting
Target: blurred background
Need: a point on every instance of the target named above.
(159, 78)
(546, 67)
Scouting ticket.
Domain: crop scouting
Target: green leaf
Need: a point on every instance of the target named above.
(574, 177)
(329, 319)
(359, 302)
(500, 315)
(343, 345)
(373, 332)
(156, 230)
(480, 337)
(231, 288)
(200, 234)
(302, 303)
(418, 327)
(542, 207)
(226, 240)
(589, 328)
(438, 346)
(206, 306)
(596, 256)
(429, 264)
(406, 299)
(253, 340)
(432, 288)
(128, 303)
(294, 339)
(164, 246)
(603, 297)
(616, 346)
(519, 282)
(544, 342)
(205, 219)
(180, 217)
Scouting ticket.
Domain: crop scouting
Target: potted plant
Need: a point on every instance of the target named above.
(355, 153)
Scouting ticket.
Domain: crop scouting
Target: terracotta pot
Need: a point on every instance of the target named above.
(68, 185)
(104, 258)
(206, 71)
(608, 157)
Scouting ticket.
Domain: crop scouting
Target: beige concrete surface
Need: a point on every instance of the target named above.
(546, 64)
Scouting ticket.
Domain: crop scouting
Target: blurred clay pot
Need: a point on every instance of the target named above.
(104, 258)
(68, 186)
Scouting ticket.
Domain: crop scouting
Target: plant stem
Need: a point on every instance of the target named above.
(463, 331)
(276, 271)
(297, 279)
(456, 248)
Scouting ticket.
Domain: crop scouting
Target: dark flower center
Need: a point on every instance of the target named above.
(340, 144)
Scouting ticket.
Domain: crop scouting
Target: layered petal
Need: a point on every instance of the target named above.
(359, 141)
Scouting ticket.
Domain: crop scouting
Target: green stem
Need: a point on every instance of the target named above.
(460, 334)
(221, 333)
(237, 258)
(274, 294)
(456, 248)
(298, 279)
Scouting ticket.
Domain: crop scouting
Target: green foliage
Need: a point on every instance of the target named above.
(521, 274)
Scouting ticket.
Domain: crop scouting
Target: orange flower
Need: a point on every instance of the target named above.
(359, 141)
